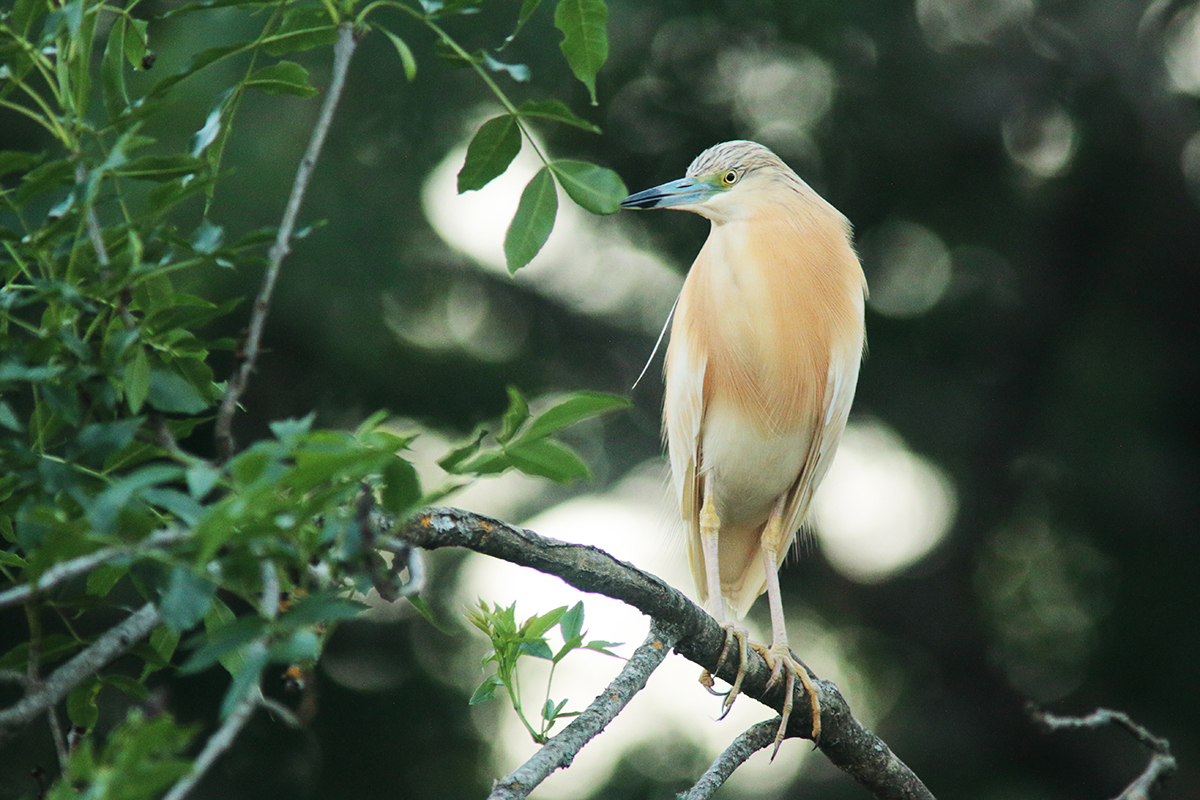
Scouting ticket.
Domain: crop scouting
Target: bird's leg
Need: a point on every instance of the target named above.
(779, 656)
(710, 530)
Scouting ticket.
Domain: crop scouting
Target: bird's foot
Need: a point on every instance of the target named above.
(783, 665)
(732, 634)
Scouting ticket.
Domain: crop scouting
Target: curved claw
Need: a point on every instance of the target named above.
(707, 681)
(779, 658)
(706, 678)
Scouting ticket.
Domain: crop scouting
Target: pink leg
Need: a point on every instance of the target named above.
(779, 656)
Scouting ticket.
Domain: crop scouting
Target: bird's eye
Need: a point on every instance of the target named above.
(730, 178)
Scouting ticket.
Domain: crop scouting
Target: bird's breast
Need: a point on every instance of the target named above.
(767, 307)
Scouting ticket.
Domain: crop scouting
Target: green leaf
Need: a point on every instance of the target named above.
(286, 77)
(164, 640)
(127, 686)
(223, 644)
(171, 392)
(406, 55)
(572, 622)
(548, 459)
(427, 614)
(289, 431)
(161, 168)
(316, 609)
(515, 416)
(8, 418)
(555, 110)
(537, 649)
(136, 41)
(245, 680)
(112, 70)
(537, 625)
(597, 189)
(531, 226)
(302, 29)
(577, 407)
(101, 439)
(486, 690)
(187, 600)
(585, 38)
(18, 161)
(491, 150)
(201, 478)
(302, 645)
(551, 710)
(81, 704)
(102, 578)
(109, 504)
(135, 380)
(601, 646)
(401, 486)
(452, 460)
(487, 463)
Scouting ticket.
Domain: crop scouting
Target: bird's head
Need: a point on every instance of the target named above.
(724, 182)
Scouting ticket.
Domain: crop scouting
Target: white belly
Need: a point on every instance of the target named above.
(752, 467)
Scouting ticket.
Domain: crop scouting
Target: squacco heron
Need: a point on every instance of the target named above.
(761, 368)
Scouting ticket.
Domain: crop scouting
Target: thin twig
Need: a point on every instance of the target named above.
(562, 748)
(67, 570)
(753, 739)
(280, 710)
(99, 653)
(1162, 764)
(342, 52)
(844, 741)
(217, 744)
(270, 589)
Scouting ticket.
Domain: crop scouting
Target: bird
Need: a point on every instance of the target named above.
(766, 339)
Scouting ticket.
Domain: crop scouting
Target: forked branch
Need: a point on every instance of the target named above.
(698, 637)
(1161, 765)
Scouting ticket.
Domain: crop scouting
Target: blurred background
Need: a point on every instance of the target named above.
(1015, 509)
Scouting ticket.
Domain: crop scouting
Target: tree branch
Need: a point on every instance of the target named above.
(561, 750)
(1162, 764)
(96, 656)
(217, 744)
(749, 742)
(343, 50)
(66, 570)
(844, 741)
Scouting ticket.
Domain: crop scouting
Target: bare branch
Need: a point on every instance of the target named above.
(750, 741)
(561, 750)
(217, 744)
(98, 654)
(343, 50)
(1162, 764)
(844, 741)
(67, 570)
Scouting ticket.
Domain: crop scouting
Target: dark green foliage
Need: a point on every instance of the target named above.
(111, 368)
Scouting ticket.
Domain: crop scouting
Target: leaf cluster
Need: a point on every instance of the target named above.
(512, 641)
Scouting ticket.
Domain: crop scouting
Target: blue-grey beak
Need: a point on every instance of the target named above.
(683, 192)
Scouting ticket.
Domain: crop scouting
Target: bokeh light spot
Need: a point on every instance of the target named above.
(881, 507)
(908, 268)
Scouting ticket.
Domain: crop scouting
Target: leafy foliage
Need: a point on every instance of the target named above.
(511, 642)
(107, 379)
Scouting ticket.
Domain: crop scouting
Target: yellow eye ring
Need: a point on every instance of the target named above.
(730, 177)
